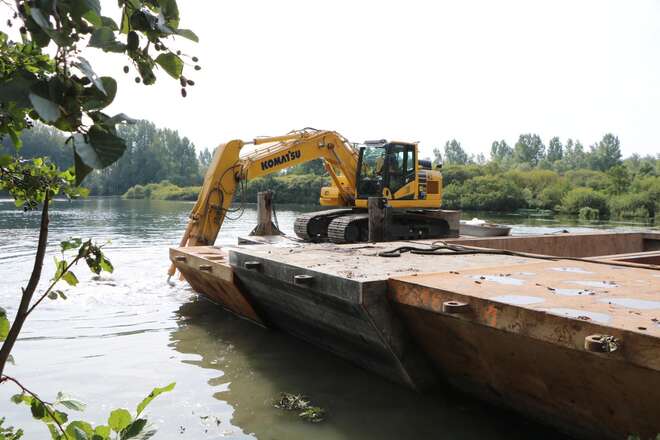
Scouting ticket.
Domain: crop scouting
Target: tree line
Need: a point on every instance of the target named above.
(530, 152)
(152, 154)
(560, 176)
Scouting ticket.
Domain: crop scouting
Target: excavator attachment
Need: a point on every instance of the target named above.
(215, 197)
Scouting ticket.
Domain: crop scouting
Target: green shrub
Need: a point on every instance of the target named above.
(550, 197)
(460, 173)
(588, 178)
(289, 188)
(451, 196)
(587, 213)
(639, 205)
(162, 191)
(136, 192)
(535, 180)
(491, 193)
(578, 198)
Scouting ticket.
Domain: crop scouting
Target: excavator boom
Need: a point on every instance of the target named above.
(228, 170)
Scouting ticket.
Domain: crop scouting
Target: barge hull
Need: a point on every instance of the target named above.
(574, 344)
(349, 318)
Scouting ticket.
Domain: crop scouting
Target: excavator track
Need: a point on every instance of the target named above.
(349, 228)
(313, 226)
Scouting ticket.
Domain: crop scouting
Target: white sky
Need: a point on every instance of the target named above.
(414, 70)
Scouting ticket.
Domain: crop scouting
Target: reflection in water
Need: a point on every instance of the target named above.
(119, 335)
(254, 365)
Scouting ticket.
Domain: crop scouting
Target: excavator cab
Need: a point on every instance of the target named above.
(387, 169)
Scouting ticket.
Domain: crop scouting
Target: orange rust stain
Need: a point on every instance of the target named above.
(490, 315)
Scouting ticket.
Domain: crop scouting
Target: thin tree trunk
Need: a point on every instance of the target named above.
(29, 290)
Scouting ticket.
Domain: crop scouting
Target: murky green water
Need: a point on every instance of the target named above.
(118, 336)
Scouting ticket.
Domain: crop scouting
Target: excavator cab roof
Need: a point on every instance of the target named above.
(382, 142)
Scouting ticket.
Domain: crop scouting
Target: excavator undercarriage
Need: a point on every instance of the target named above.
(352, 225)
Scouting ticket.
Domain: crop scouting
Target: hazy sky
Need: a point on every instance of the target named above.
(412, 70)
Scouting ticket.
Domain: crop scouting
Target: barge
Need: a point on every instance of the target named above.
(564, 328)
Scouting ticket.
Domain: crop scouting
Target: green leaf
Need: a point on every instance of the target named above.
(102, 37)
(119, 419)
(106, 265)
(47, 109)
(17, 88)
(16, 140)
(83, 65)
(19, 398)
(124, 26)
(5, 160)
(60, 267)
(81, 6)
(94, 99)
(170, 12)
(171, 63)
(134, 429)
(110, 23)
(60, 417)
(54, 432)
(187, 33)
(4, 324)
(40, 19)
(70, 278)
(79, 430)
(52, 295)
(72, 243)
(102, 431)
(70, 402)
(132, 41)
(93, 18)
(154, 393)
(38, 409)
(62, 295)
(103, 149)
(81, 169)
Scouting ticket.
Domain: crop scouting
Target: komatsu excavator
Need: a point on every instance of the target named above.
(391, 170)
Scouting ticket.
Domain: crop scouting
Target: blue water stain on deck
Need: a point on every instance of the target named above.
(580, 314)
(500, 279)
(570, 269)
(633, 303)
(602, 284)
(518, 300)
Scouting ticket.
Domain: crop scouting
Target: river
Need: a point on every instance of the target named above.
(119, 335)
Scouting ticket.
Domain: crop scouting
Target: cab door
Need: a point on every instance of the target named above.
(401, 171)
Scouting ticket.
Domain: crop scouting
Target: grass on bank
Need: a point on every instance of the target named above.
(292, 188)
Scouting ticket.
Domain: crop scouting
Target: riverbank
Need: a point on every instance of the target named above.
(293, 188)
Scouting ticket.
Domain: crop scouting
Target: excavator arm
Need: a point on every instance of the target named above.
(229, 169)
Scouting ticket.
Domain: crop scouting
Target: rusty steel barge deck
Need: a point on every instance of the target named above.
(564, 328)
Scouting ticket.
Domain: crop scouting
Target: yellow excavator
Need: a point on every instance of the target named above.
(391, 170)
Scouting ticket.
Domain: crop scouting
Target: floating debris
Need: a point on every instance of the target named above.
(313, 414)
(298, 402)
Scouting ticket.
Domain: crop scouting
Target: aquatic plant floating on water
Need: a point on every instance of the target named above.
(298, 402)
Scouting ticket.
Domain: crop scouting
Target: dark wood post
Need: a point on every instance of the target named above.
(377, 221)
(265, 225)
